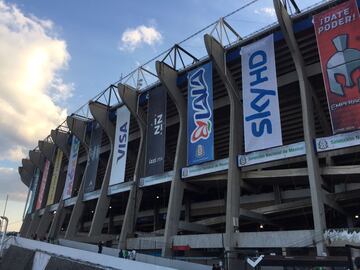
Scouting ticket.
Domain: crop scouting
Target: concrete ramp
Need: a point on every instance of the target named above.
(61, 264)
(71, 258)
(17, 258)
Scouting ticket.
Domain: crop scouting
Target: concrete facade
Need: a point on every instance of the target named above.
(282, 206)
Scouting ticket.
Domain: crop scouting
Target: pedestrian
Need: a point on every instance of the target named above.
(100, 246)
(121, 255)
(133, 254)
(126, 254)
(213, 267)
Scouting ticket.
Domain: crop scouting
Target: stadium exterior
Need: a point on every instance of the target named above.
(237, 204)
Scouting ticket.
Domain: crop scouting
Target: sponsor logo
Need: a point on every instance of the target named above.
(122, 141)
(322, 144)
(158, 124)
(260, 118)
(199, 91)
(343, 63)
(200, 150)
(242, 160)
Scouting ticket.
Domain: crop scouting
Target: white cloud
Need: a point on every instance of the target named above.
(133, 38)
(32, 58)
(268, 11)
(12, 185)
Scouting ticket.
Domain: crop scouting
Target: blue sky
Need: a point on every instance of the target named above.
(56, 55)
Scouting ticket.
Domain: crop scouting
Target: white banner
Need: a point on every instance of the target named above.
(70, 174)
(120, 147)
(40, 261)
(277, 153)
(205, 168)
(262, 126)
(338, 141)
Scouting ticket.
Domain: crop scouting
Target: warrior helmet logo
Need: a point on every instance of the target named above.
(343, 63)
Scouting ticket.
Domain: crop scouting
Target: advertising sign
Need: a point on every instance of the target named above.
(70, 175)
(93, 158)
(200, 146)
(277, 153)
(156, 132)
(34, 186)
(209, 167)
(121, 144)
(337, 34)
(43, 184)
(55, 177)
(262, 126)
(338, 141)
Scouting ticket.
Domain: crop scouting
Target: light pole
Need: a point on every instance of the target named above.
(6, 220)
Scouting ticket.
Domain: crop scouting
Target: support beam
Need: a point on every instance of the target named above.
(253, 216)
(48, 149)
(315, 179)
(34, 223)
(234, 179)
(25, 225)
(168, 76)
(194, 227)
(44, 223)
(100, 112)
(61, 141)
(78, 127)
(37, 158)
(130, 97)
(26, 172)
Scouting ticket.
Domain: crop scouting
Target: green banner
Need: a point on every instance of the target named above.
(55, 177)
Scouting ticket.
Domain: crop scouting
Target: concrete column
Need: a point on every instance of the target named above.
(234, 180)
(38, 159)
(130, 98)
(48, 149)
(61, 140)
(26, 178)
(315, 179)
(28, 169)
(100, 112)
(78, 128)
(34, 223)
(25, 225)
(168, 77)
(63, 145)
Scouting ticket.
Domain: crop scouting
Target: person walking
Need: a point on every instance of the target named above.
(100, 246)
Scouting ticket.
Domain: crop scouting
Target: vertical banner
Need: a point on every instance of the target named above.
(120, 147)
(200, 128)
(156, 131)
(262, 126)
(55, 177)
(338, 40)
(70, 175)
(43, 184)
(93, 158)
(34, 186)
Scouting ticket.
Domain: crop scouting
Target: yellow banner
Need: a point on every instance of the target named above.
(55, 177)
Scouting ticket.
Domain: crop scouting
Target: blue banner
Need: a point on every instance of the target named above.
(200, 127)
(34, 187)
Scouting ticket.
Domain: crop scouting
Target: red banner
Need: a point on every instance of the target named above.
(43, 184)
(338, 38)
